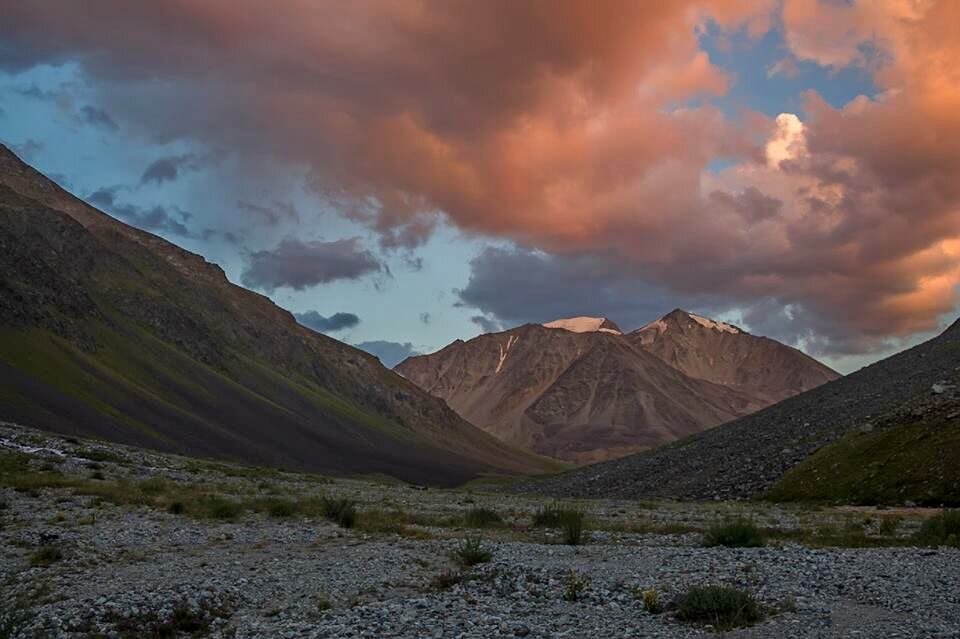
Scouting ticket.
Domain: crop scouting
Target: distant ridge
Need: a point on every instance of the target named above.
(748, 457)
(580, 390)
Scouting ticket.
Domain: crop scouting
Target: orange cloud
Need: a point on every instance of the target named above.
(567, 125)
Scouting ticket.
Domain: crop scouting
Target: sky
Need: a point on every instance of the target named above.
(400, 174)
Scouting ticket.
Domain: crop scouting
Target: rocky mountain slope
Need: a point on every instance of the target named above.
(760, 367)
(580, 390)
(109, 331)
(899, 413)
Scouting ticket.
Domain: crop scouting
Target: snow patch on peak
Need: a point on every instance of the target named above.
(585, 325)
(709, 323)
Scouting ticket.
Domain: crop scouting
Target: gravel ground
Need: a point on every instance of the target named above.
(127, 570)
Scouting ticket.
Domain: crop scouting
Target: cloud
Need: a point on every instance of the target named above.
(274, 214)
(336, 322)
(390, 353)
(486, 324)
(96, 116)
(586, 133)
(300, 265)
(425, 318)
(156, 218)
(514, 286)
(168, 169)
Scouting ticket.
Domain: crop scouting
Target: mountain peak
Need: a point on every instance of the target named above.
(678, 315)
(585, 325)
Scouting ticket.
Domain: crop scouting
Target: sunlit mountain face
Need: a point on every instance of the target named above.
(403, 174)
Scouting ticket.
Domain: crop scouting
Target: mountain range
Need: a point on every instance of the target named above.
(112, 332)
(888, 433)
(581, 390)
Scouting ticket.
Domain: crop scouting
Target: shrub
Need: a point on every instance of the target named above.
(97, 475)
(220, 508)
(383, 521)
(176, 508)
(323, 602)
(652, 602)
(549, 516)
(576, 585)
(342, 512)
(482, 518)
(572, 525)
(45, 555)
(738, 533)
(941, 530)
(281, 508)
(722, 607)
(472, 552)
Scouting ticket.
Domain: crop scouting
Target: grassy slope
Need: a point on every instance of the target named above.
(918, 462)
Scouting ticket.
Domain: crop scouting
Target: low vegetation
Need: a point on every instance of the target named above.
(722, 607)
(45, 556)
(737, 533)
(941, 530)
(651, 601)
(342, 511)
(577, 584)
(482, 518)
(471, 552)
(571, 521)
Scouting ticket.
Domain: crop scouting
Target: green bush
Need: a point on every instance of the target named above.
(576, 586)
(941, 530)
(45, 555)
(652, 602)
(342, 512)
(220, 508)
(738, 533)
(471, 552)
(482, 518)
(722, 607)
(281, 508)
(549, 516)
(571, 523)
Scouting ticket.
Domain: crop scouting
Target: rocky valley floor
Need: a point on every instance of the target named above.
(108, 541)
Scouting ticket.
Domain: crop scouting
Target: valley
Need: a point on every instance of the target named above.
(107, 540)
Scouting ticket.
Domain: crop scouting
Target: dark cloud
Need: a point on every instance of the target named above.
(486, 324)
(168, 169)
(301, 265)
(319, 323)
(96, 116)
(749, 203)
(276, 213)
(390, 353)
(425, 318)
(514, 286)
(156, 218)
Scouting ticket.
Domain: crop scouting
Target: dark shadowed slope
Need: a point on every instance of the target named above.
(109, 331)
(746, 457)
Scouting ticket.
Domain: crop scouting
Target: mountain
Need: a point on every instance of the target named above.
(109, 331)
(760, 367)
(575, 389)
(888, 433)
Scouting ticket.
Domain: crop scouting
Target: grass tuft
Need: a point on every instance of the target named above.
(45, 556)
(941, 530)
(738, 533)
(342, 512)
(482, 518)
(722, 607)
(471, 552)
